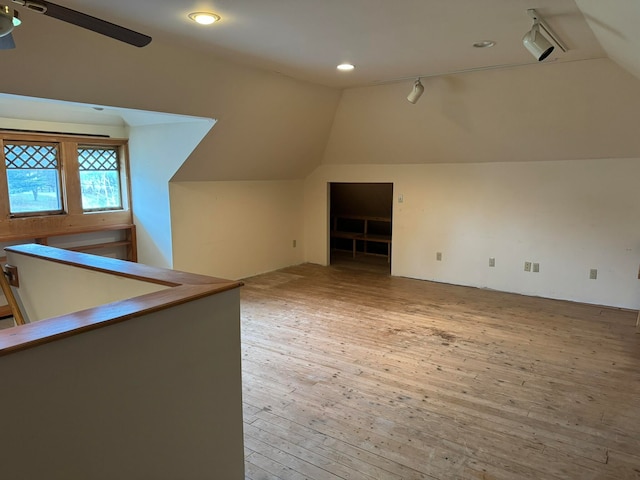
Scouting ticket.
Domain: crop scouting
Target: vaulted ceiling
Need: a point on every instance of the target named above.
(386, 40)
(267, 71)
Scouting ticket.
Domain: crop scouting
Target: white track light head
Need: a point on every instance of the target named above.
(416, 92)
(537, 45)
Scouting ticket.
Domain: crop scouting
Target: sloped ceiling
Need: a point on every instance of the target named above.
(268, 126)
(274, 125)
(568, 111)
(386, 40)
(615, 25)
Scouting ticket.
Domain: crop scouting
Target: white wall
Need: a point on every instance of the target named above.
(568, 216)
(156, 152)
(237, 229)
(129, 400)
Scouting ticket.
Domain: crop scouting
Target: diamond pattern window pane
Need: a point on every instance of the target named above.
(24, 156)
(98, 159)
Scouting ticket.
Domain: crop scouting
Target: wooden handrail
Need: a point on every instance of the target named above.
(184, 287)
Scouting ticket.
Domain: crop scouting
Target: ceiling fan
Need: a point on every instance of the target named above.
(8, 21)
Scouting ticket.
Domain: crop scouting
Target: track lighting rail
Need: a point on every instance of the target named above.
(547, 29)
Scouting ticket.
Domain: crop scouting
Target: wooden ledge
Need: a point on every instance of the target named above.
(345, 234)
(363, 217)
(65, 232)
(184, 287)
(373, 237)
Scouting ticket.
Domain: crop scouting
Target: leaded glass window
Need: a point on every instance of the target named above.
(99, 169)
(33, 178)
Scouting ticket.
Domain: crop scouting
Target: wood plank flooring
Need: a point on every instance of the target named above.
(353, 374)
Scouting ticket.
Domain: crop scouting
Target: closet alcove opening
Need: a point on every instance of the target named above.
(360, 216)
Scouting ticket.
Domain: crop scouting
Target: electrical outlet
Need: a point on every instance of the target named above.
(593, 274)
(439, 256)
(527, 266)
(492, 262)
(295, 243)
(536, 267)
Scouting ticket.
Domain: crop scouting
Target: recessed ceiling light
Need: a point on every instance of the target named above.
(484, 44)
(345, 67)
(204, 18)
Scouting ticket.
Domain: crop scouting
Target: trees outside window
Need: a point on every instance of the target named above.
(33, 178)
(99, 178)
(49, 175)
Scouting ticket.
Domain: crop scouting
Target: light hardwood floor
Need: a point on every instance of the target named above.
(353, 374)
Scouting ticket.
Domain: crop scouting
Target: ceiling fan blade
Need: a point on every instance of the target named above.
(92, 23)
(6, 42)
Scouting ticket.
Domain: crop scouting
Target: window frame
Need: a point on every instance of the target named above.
(73, 215)
(121, 177)
(58, 169)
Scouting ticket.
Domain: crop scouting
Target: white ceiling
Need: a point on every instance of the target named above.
(25, 108)
(615, 24)
(387, 40)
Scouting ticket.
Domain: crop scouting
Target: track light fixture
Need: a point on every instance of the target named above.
(537, 45)
(416, 92)
(535, 42)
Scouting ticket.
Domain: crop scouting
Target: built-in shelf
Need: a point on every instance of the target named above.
(357, 228)
(128, 242)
